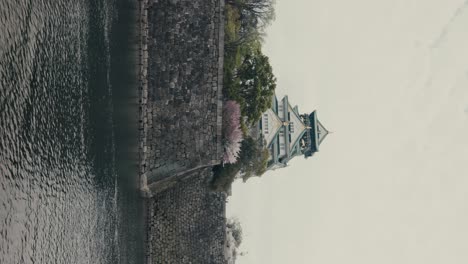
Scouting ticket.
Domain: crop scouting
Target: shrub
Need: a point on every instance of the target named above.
(253, 158)
(224, 176)
(252, 161)
(232, 133)
(233, 226)
(234, 237)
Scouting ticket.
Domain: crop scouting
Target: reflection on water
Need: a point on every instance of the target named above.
(62, 198)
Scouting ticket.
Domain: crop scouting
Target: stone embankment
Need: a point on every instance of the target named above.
(187, 224)
(181, 66)
(181, 88)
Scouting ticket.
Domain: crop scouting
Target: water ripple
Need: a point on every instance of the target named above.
(57, 177)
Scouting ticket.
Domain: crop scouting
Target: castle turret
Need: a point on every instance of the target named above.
(288, 134)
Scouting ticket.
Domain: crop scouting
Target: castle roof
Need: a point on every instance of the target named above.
(297, 127)
(322, 132)
(273, 127)
(316, 134)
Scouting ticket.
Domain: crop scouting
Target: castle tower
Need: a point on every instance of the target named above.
(287, 133)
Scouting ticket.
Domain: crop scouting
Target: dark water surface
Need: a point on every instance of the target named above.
(67, 133)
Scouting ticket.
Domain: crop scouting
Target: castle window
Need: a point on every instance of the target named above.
(291, 127)
(265, 123)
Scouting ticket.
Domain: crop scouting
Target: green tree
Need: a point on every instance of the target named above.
(256, 83)
(245, 40)
(224, 176)
(252, 161)
(253, 158)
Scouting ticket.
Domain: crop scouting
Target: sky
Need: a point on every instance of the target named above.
(390, 185)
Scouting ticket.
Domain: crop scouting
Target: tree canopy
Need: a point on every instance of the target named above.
(257, 85)
(248, 80)
(249, 77)
(254, 158)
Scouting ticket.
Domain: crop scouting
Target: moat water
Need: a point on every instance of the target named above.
(68, 190)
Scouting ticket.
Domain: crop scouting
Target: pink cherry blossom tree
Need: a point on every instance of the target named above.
(232, 133)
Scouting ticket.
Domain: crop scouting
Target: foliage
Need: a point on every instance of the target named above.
(252, 84)
(252, 161)
(248, 75)
(254, 16)
(233, 239)
(249, 81)
(257, 85)
(234, 227)
(232, 133)
(224, 176)
(254, 158)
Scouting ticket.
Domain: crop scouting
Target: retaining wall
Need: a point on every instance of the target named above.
(181, 83)
(187, 223)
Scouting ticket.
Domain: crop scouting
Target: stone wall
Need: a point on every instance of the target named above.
(180, 91)
(180, 83)
(187, 223)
